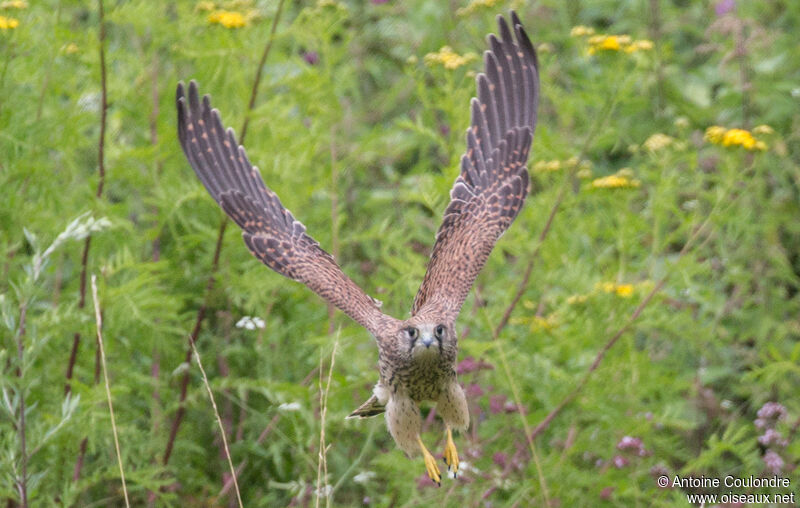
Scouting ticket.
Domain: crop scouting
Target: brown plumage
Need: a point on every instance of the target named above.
(417, 356)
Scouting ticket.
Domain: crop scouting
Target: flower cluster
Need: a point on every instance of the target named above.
(535, 321)
(250, 323)
(8, 23)
(632, 444)
(658, 141)
(474, 5)
(14, 4)
(718, 135)
(622, 290)
(231, 14)
(556, 165)
(622, 179)
(581, 31)
(228, 19)
(603, 42)
(631, 448)
(449, 58)
(769, 416)
(469, 364)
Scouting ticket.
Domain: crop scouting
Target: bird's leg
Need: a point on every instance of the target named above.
(430, 463)
(450, 453)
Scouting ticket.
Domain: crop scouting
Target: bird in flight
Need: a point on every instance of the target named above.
(416, 356)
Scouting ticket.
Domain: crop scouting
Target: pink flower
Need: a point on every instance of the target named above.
(723, 7)
(773, 437)
(772, 411)
(632, 444)
(469, 364)
(619, 461)
(311, 57)
(497, 404)
(773, 461)
(473, 391)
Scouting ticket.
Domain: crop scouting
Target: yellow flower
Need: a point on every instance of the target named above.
(547, 166)
(603, 42)
(714, 134)
(544, 323)
(581, 31)
(544, 47)
(556, 165)
(658, 141)
(763, 129)
(615, 182)
(738, 137)
(734, 137)
(14, 4)
(204, 6)
(70, 48)
(474, 5)
(640, 45)
(681, 122)
(624, 290)
(448, 58)
(8, 23)
(228, 19)
(606, 43)
(621, 290)
(576, 299)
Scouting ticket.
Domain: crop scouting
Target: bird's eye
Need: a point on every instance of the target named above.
(412, 332)
(439, 331)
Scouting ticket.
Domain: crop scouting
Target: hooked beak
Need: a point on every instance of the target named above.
(427, 341)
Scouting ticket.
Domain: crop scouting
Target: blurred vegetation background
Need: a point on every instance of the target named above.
(661, 236)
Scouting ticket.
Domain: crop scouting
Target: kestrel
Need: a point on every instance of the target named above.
(417, 356)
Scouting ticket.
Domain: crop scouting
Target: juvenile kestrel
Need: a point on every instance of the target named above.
(417, 356)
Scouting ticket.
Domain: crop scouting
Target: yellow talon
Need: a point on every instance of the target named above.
(450, 453)
(430, 464)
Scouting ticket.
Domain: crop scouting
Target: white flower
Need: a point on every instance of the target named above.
(364, 477)
(325, 491)
(250, 323)
(289, 406)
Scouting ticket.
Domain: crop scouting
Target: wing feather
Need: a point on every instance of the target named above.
(270, 231)
(491, 189)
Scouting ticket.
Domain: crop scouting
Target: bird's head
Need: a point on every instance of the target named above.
(427, 339)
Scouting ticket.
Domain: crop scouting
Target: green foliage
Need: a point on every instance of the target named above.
(361, 136)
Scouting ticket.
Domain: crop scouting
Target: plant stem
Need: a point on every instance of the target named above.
(219, 421)
(101, 164)
(22, 482)
(99, 322)
(215, 263)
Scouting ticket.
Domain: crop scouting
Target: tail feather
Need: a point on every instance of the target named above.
(372, 407)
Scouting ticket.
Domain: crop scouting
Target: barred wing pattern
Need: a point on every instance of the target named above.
(270, 231)
(493, 184)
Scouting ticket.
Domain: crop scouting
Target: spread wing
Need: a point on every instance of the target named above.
(493, 184)
(270, 231)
